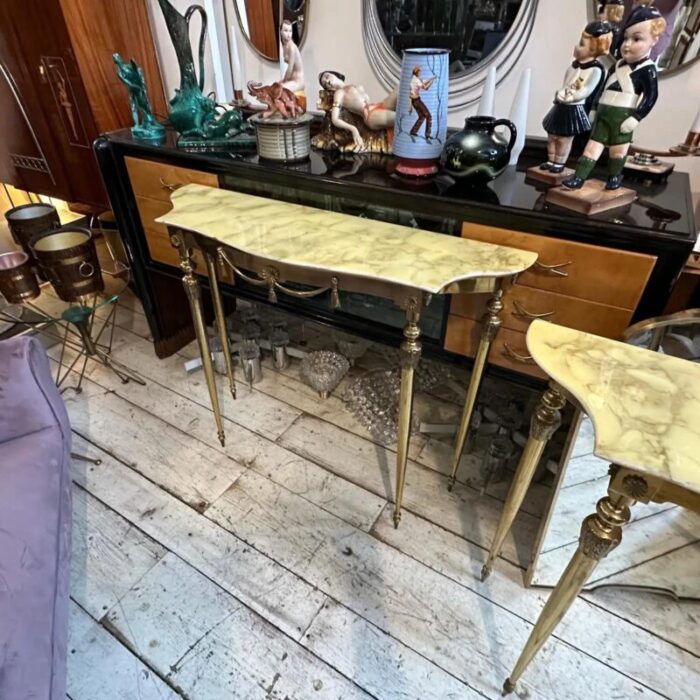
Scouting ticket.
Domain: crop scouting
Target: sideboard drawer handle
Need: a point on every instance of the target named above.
(167, 186)
(554, 269)
(525, 359)
(522, 311)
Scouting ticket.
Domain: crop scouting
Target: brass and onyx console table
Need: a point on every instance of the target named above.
(270, 244)
(645, 409)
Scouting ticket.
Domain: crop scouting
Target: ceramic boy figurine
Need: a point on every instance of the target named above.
(584, 77)
(629, 95)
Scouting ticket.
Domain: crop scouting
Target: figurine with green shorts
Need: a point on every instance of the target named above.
(629, 95)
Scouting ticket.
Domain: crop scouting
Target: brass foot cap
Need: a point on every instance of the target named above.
(222, 439)
(508, 687)
(397, 519)
(485, 572)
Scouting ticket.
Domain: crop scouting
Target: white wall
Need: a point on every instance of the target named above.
(334, 41)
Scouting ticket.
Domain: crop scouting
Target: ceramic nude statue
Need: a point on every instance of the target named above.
(293, 78)
(353, 99)
(584, 77)
(630, 93)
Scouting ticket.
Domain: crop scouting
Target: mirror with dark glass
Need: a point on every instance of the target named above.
(680, 43)
(470, 29)
(260, 23)
(480, 35)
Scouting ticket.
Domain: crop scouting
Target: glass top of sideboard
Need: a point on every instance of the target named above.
(664, 209)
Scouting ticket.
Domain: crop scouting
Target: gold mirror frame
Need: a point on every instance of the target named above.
(663, 72)
(255, 49)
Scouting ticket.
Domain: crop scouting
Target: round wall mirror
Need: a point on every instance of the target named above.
(260, 22)
(680, 43)
(478, 34)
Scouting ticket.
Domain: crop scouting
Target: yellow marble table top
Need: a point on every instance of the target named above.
(339, 243)
(645, 406)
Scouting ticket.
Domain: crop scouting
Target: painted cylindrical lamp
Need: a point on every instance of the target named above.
(420, 130)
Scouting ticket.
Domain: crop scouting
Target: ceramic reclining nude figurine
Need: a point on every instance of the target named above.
(353, 112)
(629, 95)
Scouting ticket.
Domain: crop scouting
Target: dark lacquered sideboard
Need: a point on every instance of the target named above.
(597, 274)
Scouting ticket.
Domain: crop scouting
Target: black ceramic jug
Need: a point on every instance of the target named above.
(477, 152)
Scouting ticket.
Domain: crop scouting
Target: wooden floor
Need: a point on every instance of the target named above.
(271, 568)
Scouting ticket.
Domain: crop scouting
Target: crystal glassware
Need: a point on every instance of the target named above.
(350, 347)
(323, 370)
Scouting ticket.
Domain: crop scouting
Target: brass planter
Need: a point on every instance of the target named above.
(18, 282)
(68, 259)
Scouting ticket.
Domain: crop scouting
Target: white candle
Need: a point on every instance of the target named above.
(695, 129)
(238, 80)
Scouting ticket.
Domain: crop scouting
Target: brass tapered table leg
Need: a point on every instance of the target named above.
(490, 323)
(220, 319)
(544, 423)
(194, 296)
(600, 534)
(410, 356)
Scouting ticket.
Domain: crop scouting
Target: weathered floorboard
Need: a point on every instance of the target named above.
(211, 646)
(268, 588)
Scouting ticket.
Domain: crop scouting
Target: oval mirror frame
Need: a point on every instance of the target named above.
(466, 89)
(663, 72)
(304, 7)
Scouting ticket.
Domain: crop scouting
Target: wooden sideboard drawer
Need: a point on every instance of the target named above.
(521, 304)
(462, 337)
(157, 234)
(158, 180)
(603, 275)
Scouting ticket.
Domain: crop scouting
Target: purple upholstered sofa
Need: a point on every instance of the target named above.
(35, 525)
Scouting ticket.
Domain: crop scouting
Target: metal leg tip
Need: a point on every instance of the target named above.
(397, 518)
(451, 483)
(485, 572)
(222, 439)
(508, 687)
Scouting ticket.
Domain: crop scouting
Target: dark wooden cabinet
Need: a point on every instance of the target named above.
(59, 90)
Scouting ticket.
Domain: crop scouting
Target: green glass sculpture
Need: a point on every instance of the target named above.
(201, 122)
(146, 126)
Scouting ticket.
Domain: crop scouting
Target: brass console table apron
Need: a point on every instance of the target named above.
(268, 243)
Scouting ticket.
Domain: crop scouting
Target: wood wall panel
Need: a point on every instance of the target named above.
(264, 34)
(98, 29)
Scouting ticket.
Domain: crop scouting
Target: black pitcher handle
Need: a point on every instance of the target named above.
(202, 37)
(513, 131)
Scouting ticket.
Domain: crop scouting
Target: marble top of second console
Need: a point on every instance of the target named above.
(339, 243)
(645, 406)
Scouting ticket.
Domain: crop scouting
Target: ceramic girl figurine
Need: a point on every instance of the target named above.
(629, 95)
(293, 78)
(569, 116)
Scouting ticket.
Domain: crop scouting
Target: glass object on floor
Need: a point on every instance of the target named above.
(323, 370)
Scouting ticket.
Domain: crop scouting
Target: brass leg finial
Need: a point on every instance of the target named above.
(410, 356)
(220, 319)
(490, 323)
(194, 296)
(600, 534)
(545, 421)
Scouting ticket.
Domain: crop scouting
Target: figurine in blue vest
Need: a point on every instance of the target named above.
(630, 93)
